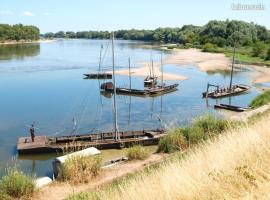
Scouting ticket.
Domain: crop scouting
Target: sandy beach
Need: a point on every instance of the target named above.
(144, 71)
(203, 60)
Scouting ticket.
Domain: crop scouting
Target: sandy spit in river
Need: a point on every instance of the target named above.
(203, 60)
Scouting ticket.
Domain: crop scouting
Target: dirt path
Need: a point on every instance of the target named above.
(59, 191)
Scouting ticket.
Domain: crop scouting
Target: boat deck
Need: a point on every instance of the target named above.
(25, 143)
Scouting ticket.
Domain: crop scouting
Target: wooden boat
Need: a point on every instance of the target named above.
(151, 80)
(98, 76)
(224, 92)
(162, 89)
(230, 90)
(230, 107)
(44, 144)
(109, 88)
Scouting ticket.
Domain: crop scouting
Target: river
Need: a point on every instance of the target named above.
(43, 83)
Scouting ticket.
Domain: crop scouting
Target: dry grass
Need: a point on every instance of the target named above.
(137, 153)
(236, 165)
(80, 169)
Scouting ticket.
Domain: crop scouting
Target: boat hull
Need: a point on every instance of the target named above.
(98, 76)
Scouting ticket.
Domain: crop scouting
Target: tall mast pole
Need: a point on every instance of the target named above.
(161, 63)
(232, 66)
(99, 63)
(153, 68)
(114, 93)
(129, 73)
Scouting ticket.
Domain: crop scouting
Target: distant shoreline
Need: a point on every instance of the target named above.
(11, 42)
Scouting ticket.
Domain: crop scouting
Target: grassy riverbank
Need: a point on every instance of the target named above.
(261, 100)
(234, 165)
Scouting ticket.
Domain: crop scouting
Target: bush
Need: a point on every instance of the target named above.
(267, 57)
(258, 49)
(209, 47)
(205, 127)
(261, 100)
(137, 153)
(80, 169)
(16, 184)
(172, 142)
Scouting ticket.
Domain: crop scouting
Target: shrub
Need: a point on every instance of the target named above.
(16, 184)
(172, 142)
(258, 49)
(261, 100)
(80, 169)
(137, 153)
(209, 47)
(204, 127)
(267, 57)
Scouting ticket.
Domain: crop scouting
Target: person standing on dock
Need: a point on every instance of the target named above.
(32, 132)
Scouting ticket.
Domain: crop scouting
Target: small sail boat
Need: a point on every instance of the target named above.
(101, 140)
(162, 88)
(99, 75)
(150, 80)
(230, 90)
(109, 87)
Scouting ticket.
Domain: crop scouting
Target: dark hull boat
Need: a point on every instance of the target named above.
(44, 144)
(230, 107)
(109, 87)
(162, 89)
(98, 76)
(224, 92)
(158, 90)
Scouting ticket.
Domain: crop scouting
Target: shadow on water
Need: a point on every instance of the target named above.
(19, 51)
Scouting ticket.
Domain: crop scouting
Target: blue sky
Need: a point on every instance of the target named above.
(77, 15)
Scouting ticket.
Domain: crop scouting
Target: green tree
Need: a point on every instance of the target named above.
(258, 49)
(267, 57)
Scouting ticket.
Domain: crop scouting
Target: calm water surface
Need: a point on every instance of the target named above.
(43, 83)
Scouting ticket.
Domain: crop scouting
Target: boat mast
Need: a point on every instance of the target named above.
(114, 94)
(99, 63)
(129, 73)
(152, 68)
(232, 66)
(161, 64)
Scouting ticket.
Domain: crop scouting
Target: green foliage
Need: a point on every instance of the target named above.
(209, 47)
(258, 49)
(204, 128)
(137, 153)
(261, 100)
(16, 184)
(18, 32)
(173, 141)
(80, 169)
(218, 33)
(267, 57)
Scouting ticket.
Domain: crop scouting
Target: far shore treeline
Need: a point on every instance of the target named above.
(220, 33)
(18, 32)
